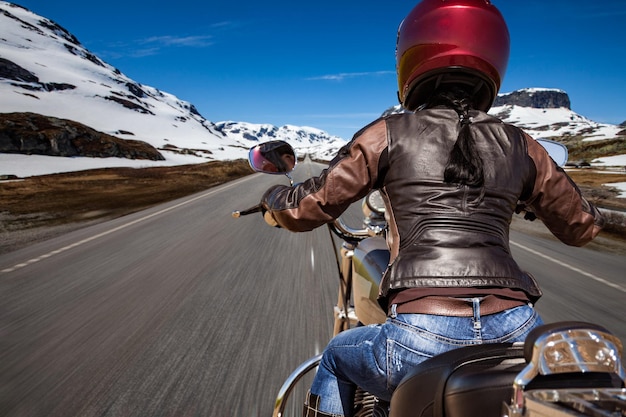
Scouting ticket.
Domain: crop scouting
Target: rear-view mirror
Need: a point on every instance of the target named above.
(274, 157)
(556, 150)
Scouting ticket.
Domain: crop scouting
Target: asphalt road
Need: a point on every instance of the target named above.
(577, 283)
(181, 310)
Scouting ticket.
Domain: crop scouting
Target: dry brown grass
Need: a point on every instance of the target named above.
(595, 185)
(51, 200)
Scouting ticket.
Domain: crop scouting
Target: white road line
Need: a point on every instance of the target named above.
(563, 264)
(118, 228)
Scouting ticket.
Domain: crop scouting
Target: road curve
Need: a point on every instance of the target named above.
(181, 310)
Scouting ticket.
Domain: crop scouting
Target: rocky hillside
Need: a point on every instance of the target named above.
(34, 134)
(535, 98)
(547, 113)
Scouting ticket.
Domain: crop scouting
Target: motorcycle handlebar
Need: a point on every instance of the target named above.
(254, 209)
(346, 232)
(338, 226)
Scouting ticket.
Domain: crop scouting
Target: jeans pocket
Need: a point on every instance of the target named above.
(511, 325)
(400, 360)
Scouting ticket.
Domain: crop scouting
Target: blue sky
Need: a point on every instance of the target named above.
(330, 64)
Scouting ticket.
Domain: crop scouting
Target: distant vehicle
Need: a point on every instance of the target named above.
(578, 164)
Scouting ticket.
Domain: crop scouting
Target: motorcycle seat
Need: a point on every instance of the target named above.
(477, 380)
(464, 378)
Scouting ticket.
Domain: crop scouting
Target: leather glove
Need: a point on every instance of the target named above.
(266, 204)
(528, 215)
(269, 219)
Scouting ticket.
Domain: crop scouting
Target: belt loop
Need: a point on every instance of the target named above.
(477, 323)
(394, 308)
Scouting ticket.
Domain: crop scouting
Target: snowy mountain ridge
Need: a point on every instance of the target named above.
(44, 69)
(546, 112)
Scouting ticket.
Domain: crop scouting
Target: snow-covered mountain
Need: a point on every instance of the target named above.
(546, 113)
(317, 143)
(44, 69)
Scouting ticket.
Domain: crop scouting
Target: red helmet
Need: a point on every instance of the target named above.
(451, 41)
(259, 162)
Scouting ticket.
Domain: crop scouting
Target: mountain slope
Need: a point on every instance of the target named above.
(44, 69)
(545, 112)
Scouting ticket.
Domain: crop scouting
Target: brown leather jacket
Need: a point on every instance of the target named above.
(443, 235)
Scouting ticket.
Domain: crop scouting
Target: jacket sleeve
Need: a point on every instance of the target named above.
(558, 203)
(319, 200)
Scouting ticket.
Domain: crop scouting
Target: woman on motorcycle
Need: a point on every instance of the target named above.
(452, 176)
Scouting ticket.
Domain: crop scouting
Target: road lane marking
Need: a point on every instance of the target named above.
(572, 268)
(118, 228)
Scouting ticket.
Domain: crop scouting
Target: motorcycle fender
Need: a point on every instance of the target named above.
(370, 260)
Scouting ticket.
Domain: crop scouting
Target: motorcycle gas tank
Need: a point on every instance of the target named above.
(370, 260)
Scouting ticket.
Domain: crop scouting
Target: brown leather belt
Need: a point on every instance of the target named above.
(457, 307)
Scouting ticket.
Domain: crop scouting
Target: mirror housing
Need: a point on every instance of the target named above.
(556, 150)
(274, 157)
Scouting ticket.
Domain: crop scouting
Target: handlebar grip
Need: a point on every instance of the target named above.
(255, 209)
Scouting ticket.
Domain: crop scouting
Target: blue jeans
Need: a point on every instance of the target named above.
(377, 357)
